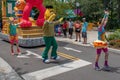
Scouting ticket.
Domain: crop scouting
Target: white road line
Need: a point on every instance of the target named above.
(28, 55)
(37, 56)
(52, 71)
(68, 48)
(22, 56)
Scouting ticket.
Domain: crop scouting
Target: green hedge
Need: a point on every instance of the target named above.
(114, 39)
(114, 36)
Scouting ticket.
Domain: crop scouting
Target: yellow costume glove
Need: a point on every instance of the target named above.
(60, 19)
(51, 18)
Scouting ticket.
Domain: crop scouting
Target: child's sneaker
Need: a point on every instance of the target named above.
(106, 68)
(75, 40)
(12, 54)
(19, 53)
(46, 60)
(97, 68)
(55, 58)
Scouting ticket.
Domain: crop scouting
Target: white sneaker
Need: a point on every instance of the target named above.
(56, 58)
(46, 60)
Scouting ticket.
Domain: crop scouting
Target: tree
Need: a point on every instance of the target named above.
(92, 9)
(59, 6)
(114, 17)
(118, 10)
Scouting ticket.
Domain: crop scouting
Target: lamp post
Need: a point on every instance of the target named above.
(77, 4)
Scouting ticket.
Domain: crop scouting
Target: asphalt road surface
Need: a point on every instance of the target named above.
(76, 63)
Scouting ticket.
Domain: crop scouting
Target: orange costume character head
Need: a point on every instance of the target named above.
(19, 7)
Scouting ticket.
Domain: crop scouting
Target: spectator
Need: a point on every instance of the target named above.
(64, 26)
(70, 26)
(77, 26)
(59, 30)
(84, 31)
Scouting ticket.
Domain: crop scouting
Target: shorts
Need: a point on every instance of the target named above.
(105, 50)
(84, 34)
(77, 30)
(70, 31)
(13, 39)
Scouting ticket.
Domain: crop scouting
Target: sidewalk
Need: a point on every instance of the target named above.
(91, 36)
(6, 72)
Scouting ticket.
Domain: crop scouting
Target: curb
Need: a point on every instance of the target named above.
(6, 71)
(114, 50)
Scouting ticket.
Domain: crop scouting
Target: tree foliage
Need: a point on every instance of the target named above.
(59, 7)
(92, 9)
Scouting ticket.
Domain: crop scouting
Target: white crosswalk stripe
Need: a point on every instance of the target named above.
(28, 54)
(52, 71)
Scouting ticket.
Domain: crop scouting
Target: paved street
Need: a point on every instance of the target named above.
(76, 62)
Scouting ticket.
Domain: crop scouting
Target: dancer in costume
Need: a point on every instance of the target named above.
(101, 36)
(13, 35)
(48, 34)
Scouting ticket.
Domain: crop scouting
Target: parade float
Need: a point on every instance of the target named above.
(30, 31)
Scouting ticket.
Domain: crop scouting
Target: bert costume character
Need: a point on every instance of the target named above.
(48, 34)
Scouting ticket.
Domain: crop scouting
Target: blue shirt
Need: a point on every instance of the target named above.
(100, 31)
(84, 26)
(13, 28)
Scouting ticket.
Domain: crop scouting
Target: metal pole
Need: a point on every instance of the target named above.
(77, 5)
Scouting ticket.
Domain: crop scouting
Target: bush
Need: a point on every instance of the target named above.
(114, 39)
(114, 36)
(114, 44)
